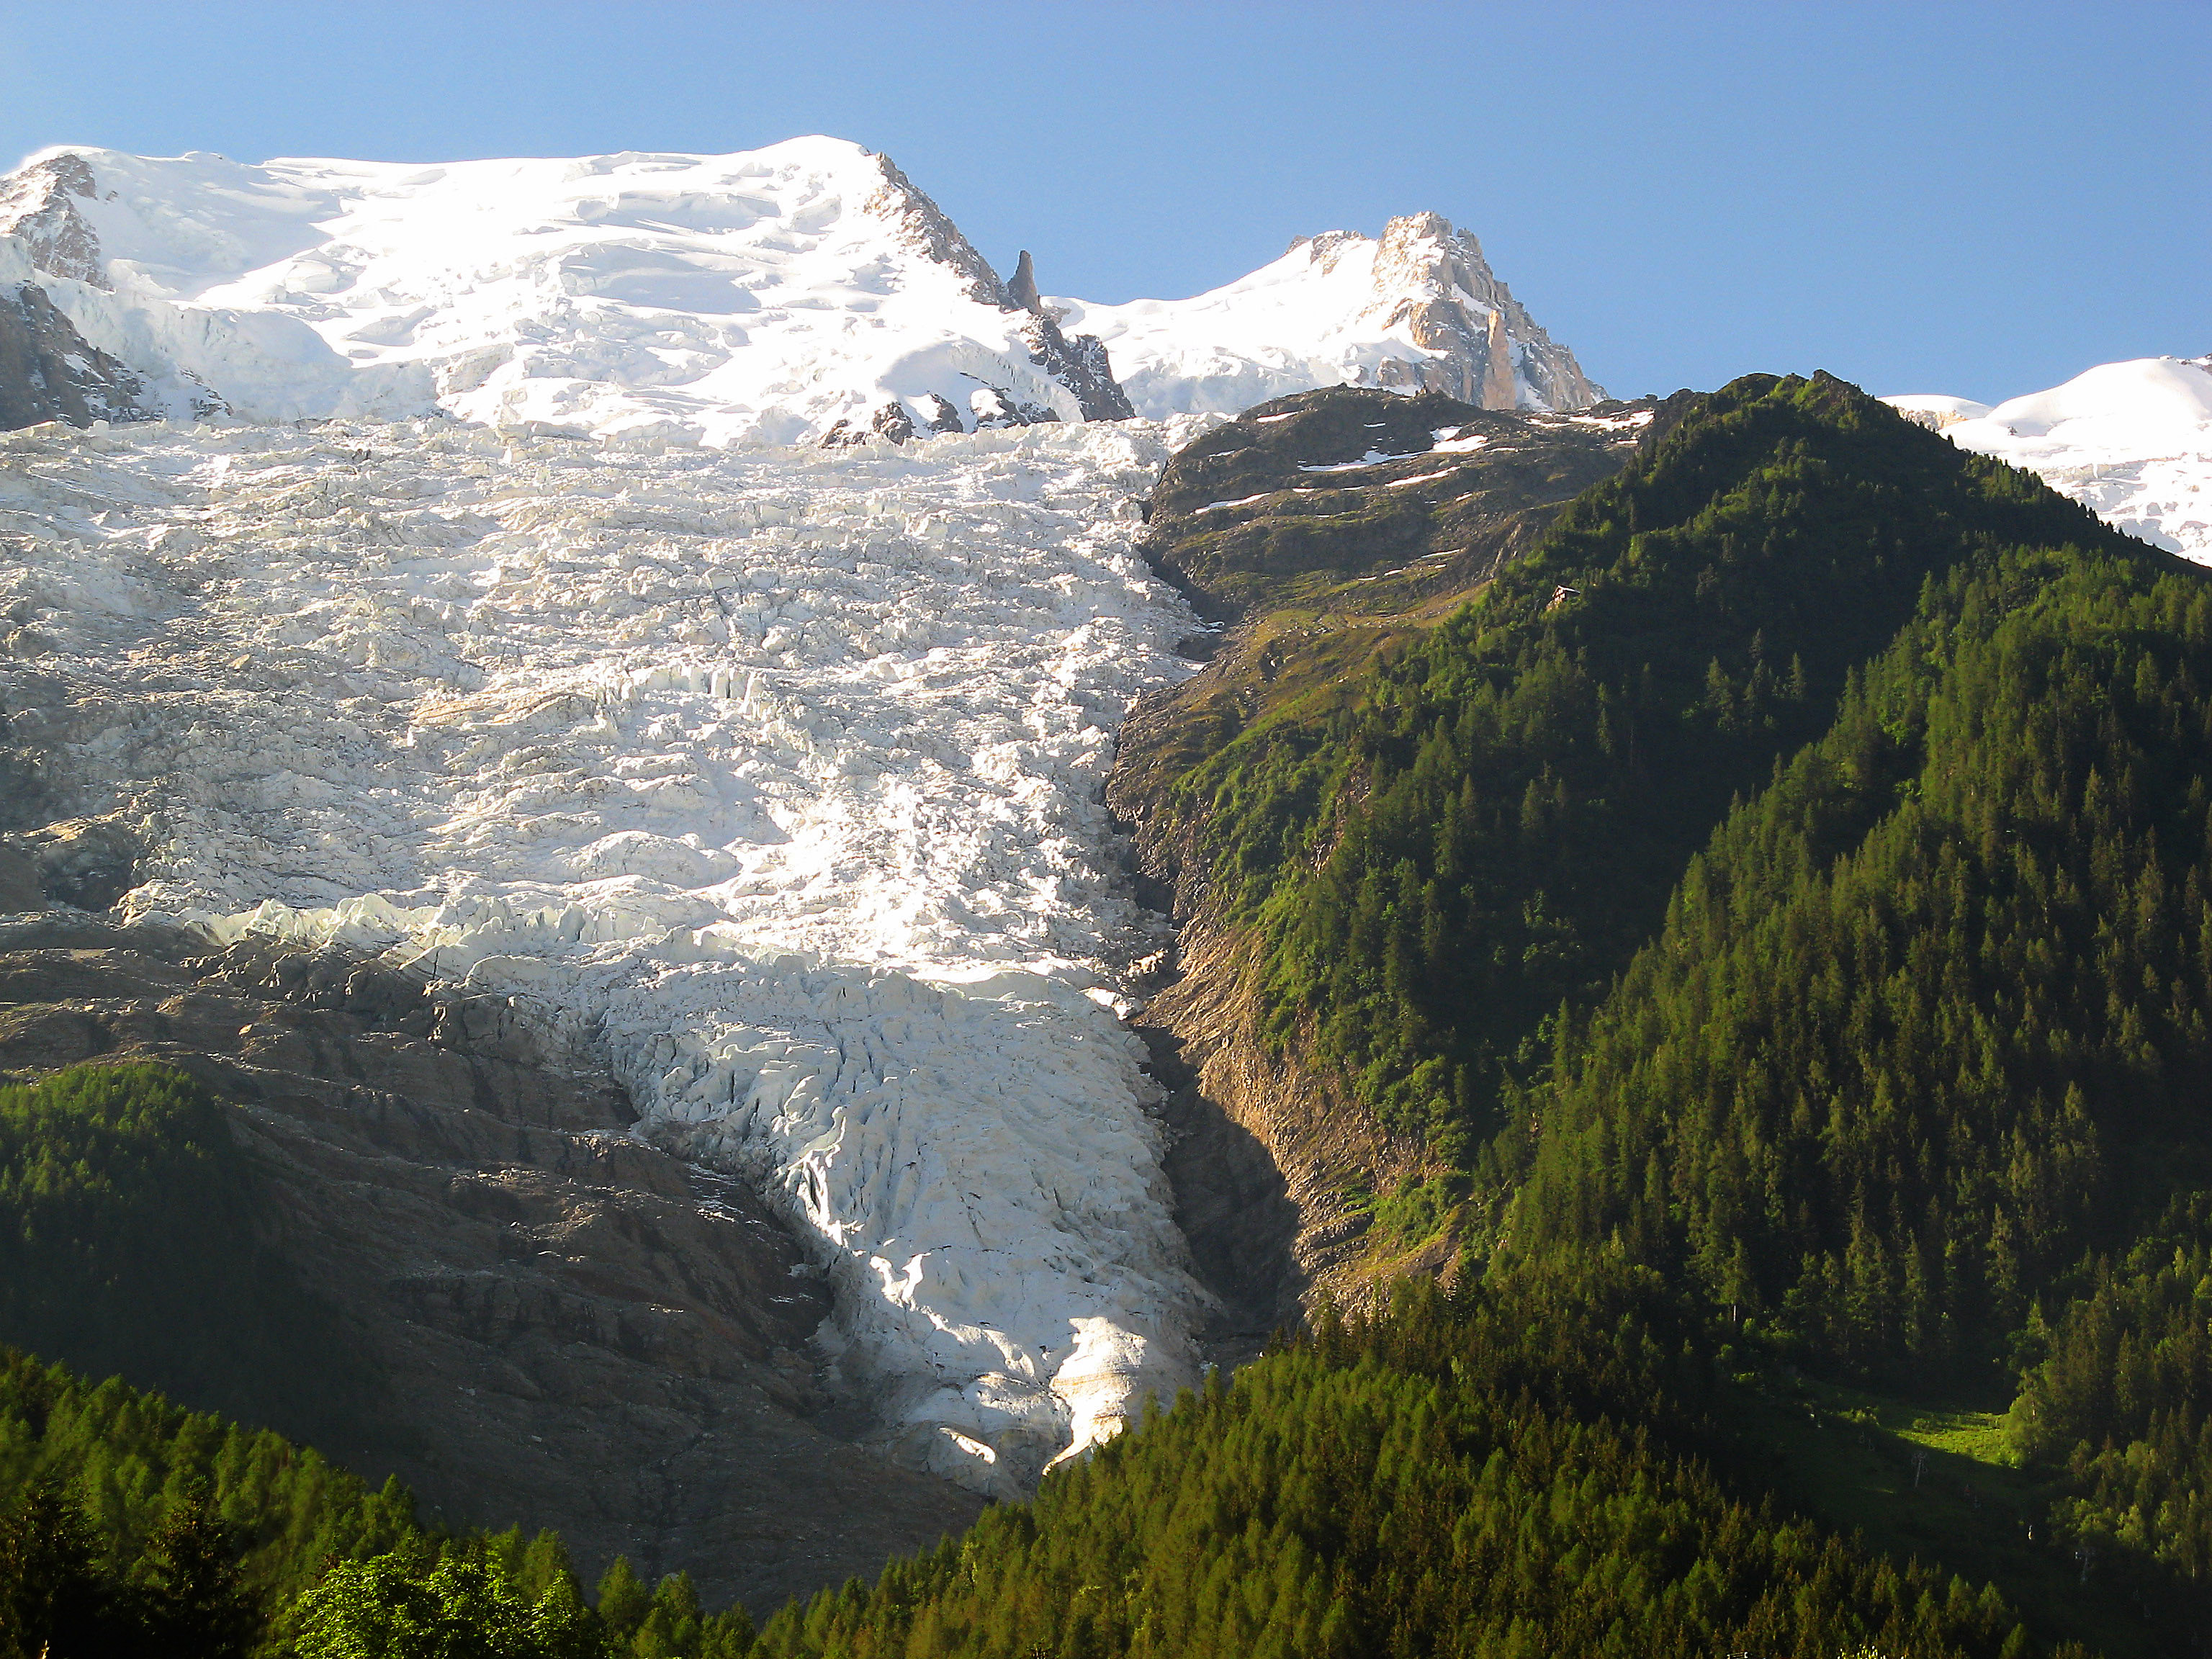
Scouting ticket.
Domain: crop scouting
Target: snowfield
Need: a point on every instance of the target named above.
(772, 775)
(2131, 441)
(754, 298)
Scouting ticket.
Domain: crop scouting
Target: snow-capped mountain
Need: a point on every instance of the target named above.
(805, 292)
(802, 290)
(1418, 310)
(2130, 441)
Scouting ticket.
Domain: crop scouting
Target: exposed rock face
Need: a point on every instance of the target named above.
(564, 1327)
(924, 227)
(49, 372)
(1023, 290)
(943, 417)
(1079, 364)
(1432, 280)
(38, 205)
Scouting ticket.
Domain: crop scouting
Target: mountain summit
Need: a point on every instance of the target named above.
(803, 290)
(1418, 310)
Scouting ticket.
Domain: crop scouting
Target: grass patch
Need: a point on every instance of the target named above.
(1938, 1483)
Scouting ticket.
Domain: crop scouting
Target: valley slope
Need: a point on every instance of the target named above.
(1728, 890)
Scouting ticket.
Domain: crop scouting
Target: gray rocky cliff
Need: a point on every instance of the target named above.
(38, 204)
(49, 372)
(535, 1317)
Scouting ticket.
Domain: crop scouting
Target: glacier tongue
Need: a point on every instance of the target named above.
(775, 776)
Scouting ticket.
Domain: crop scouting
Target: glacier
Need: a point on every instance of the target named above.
(2132, 441)
(772, 775)
(530, 573)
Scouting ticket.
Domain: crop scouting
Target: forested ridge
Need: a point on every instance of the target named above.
(1494, 823)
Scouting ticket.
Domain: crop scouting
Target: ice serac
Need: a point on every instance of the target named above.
(1418, 310)
(769, 296)
(770, 779)
(2130, 441)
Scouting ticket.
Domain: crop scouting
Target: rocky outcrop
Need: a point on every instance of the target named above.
(1431, 281)
(38, 204)
(556, 1324)
(1022, 288)
(1079, 364)
(924, 227)
(49, 372)
(943, 417)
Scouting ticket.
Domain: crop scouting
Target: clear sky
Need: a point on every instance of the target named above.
(1967, 197)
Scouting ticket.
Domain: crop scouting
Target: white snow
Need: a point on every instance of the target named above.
(1337, 309)
(1372, 457)
(2130, 441)
(773, 777)
(750, 298)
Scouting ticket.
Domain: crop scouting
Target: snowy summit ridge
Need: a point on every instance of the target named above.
(761, 297)
(804, 292)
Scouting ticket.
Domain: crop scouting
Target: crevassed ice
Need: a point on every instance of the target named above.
(775, 777)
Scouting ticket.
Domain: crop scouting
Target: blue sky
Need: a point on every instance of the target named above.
(1977, 198)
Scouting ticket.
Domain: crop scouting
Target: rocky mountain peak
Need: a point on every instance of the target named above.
(1431, 281)
(923, 226)
(1417, 310)
(1023, 290)
(38, 204)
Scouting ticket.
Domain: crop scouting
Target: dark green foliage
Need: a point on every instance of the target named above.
(54, 1597)
(1417, 1485)
(2123, 1395)
(1493, 826)
(476, 1602)
(124, 1519)
(1933, 1014)
(64, 1594)
(134, 1463)
(623, 1599)
(195, 1603)
(130, 1243)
